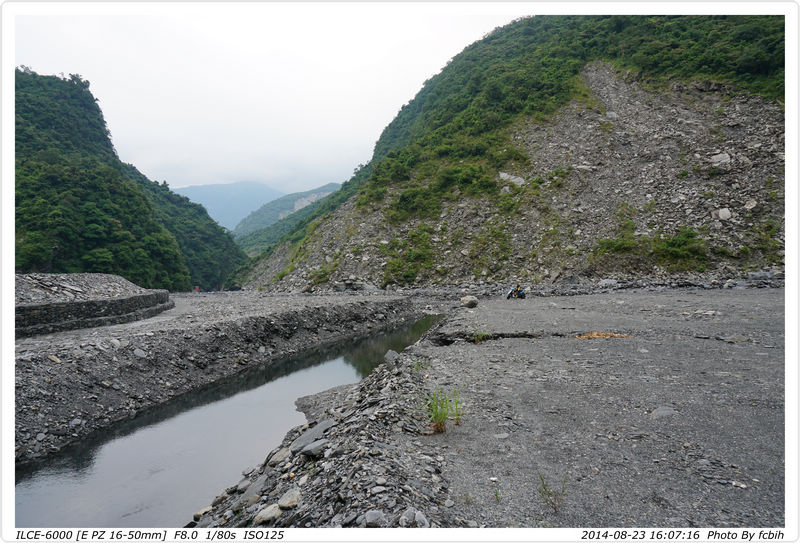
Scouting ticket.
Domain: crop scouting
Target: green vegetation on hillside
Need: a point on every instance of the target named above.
(79, 209)
(453, 137)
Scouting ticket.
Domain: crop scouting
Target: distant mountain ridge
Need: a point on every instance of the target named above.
(275, 210)
(279, 217)
(229, 203)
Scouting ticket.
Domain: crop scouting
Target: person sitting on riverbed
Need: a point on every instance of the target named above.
(516, 292)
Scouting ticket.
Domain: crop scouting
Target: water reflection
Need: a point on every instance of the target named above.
(156, 469)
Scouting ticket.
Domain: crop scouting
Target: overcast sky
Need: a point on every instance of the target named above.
(294, 95)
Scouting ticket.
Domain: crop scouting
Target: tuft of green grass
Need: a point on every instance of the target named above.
(457, 408)
(438, 410)
(551, 497)
(421, 364)
(440, 407)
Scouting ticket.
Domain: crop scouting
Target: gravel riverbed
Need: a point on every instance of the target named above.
(641, 407)
(670, 414)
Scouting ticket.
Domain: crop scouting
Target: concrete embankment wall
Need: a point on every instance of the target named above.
(45, 318)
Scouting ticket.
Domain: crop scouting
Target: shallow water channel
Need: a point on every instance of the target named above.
(159, 468)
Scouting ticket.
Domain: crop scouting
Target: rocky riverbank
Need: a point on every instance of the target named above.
(69, 385)
(638, 424)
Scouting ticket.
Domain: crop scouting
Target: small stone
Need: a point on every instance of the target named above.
(662, 412)
(54, 359)
(469, 301)
(721, 158)
(407, 518)
(40, 436)
(377, 489)
(375, 519)
(290, 498)
(750, 204)
(139, 353)
(513, 178)
(243, 485)
(391, 356)
(502, 436)
(449, 503)
(268, 514)
(202, 512)
(75, 422)
(420, 520)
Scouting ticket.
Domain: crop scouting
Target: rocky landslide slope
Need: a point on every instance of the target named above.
(623, 162)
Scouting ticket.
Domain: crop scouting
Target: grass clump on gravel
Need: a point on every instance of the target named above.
(441, 407)
(552, 498)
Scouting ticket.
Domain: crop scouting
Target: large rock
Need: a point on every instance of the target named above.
(268, 514)
(279, 456)
(315, 449)
(311, 435)
(290, 498)
(375, 519)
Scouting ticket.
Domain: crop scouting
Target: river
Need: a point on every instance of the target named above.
(159, 468)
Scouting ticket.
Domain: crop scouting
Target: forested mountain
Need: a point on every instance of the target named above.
(479, 175)
(229, 203)
(78, 208)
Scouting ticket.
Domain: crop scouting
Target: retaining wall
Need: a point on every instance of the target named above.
(34, 319)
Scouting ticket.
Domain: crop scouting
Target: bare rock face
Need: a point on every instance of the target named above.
(624, 161)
